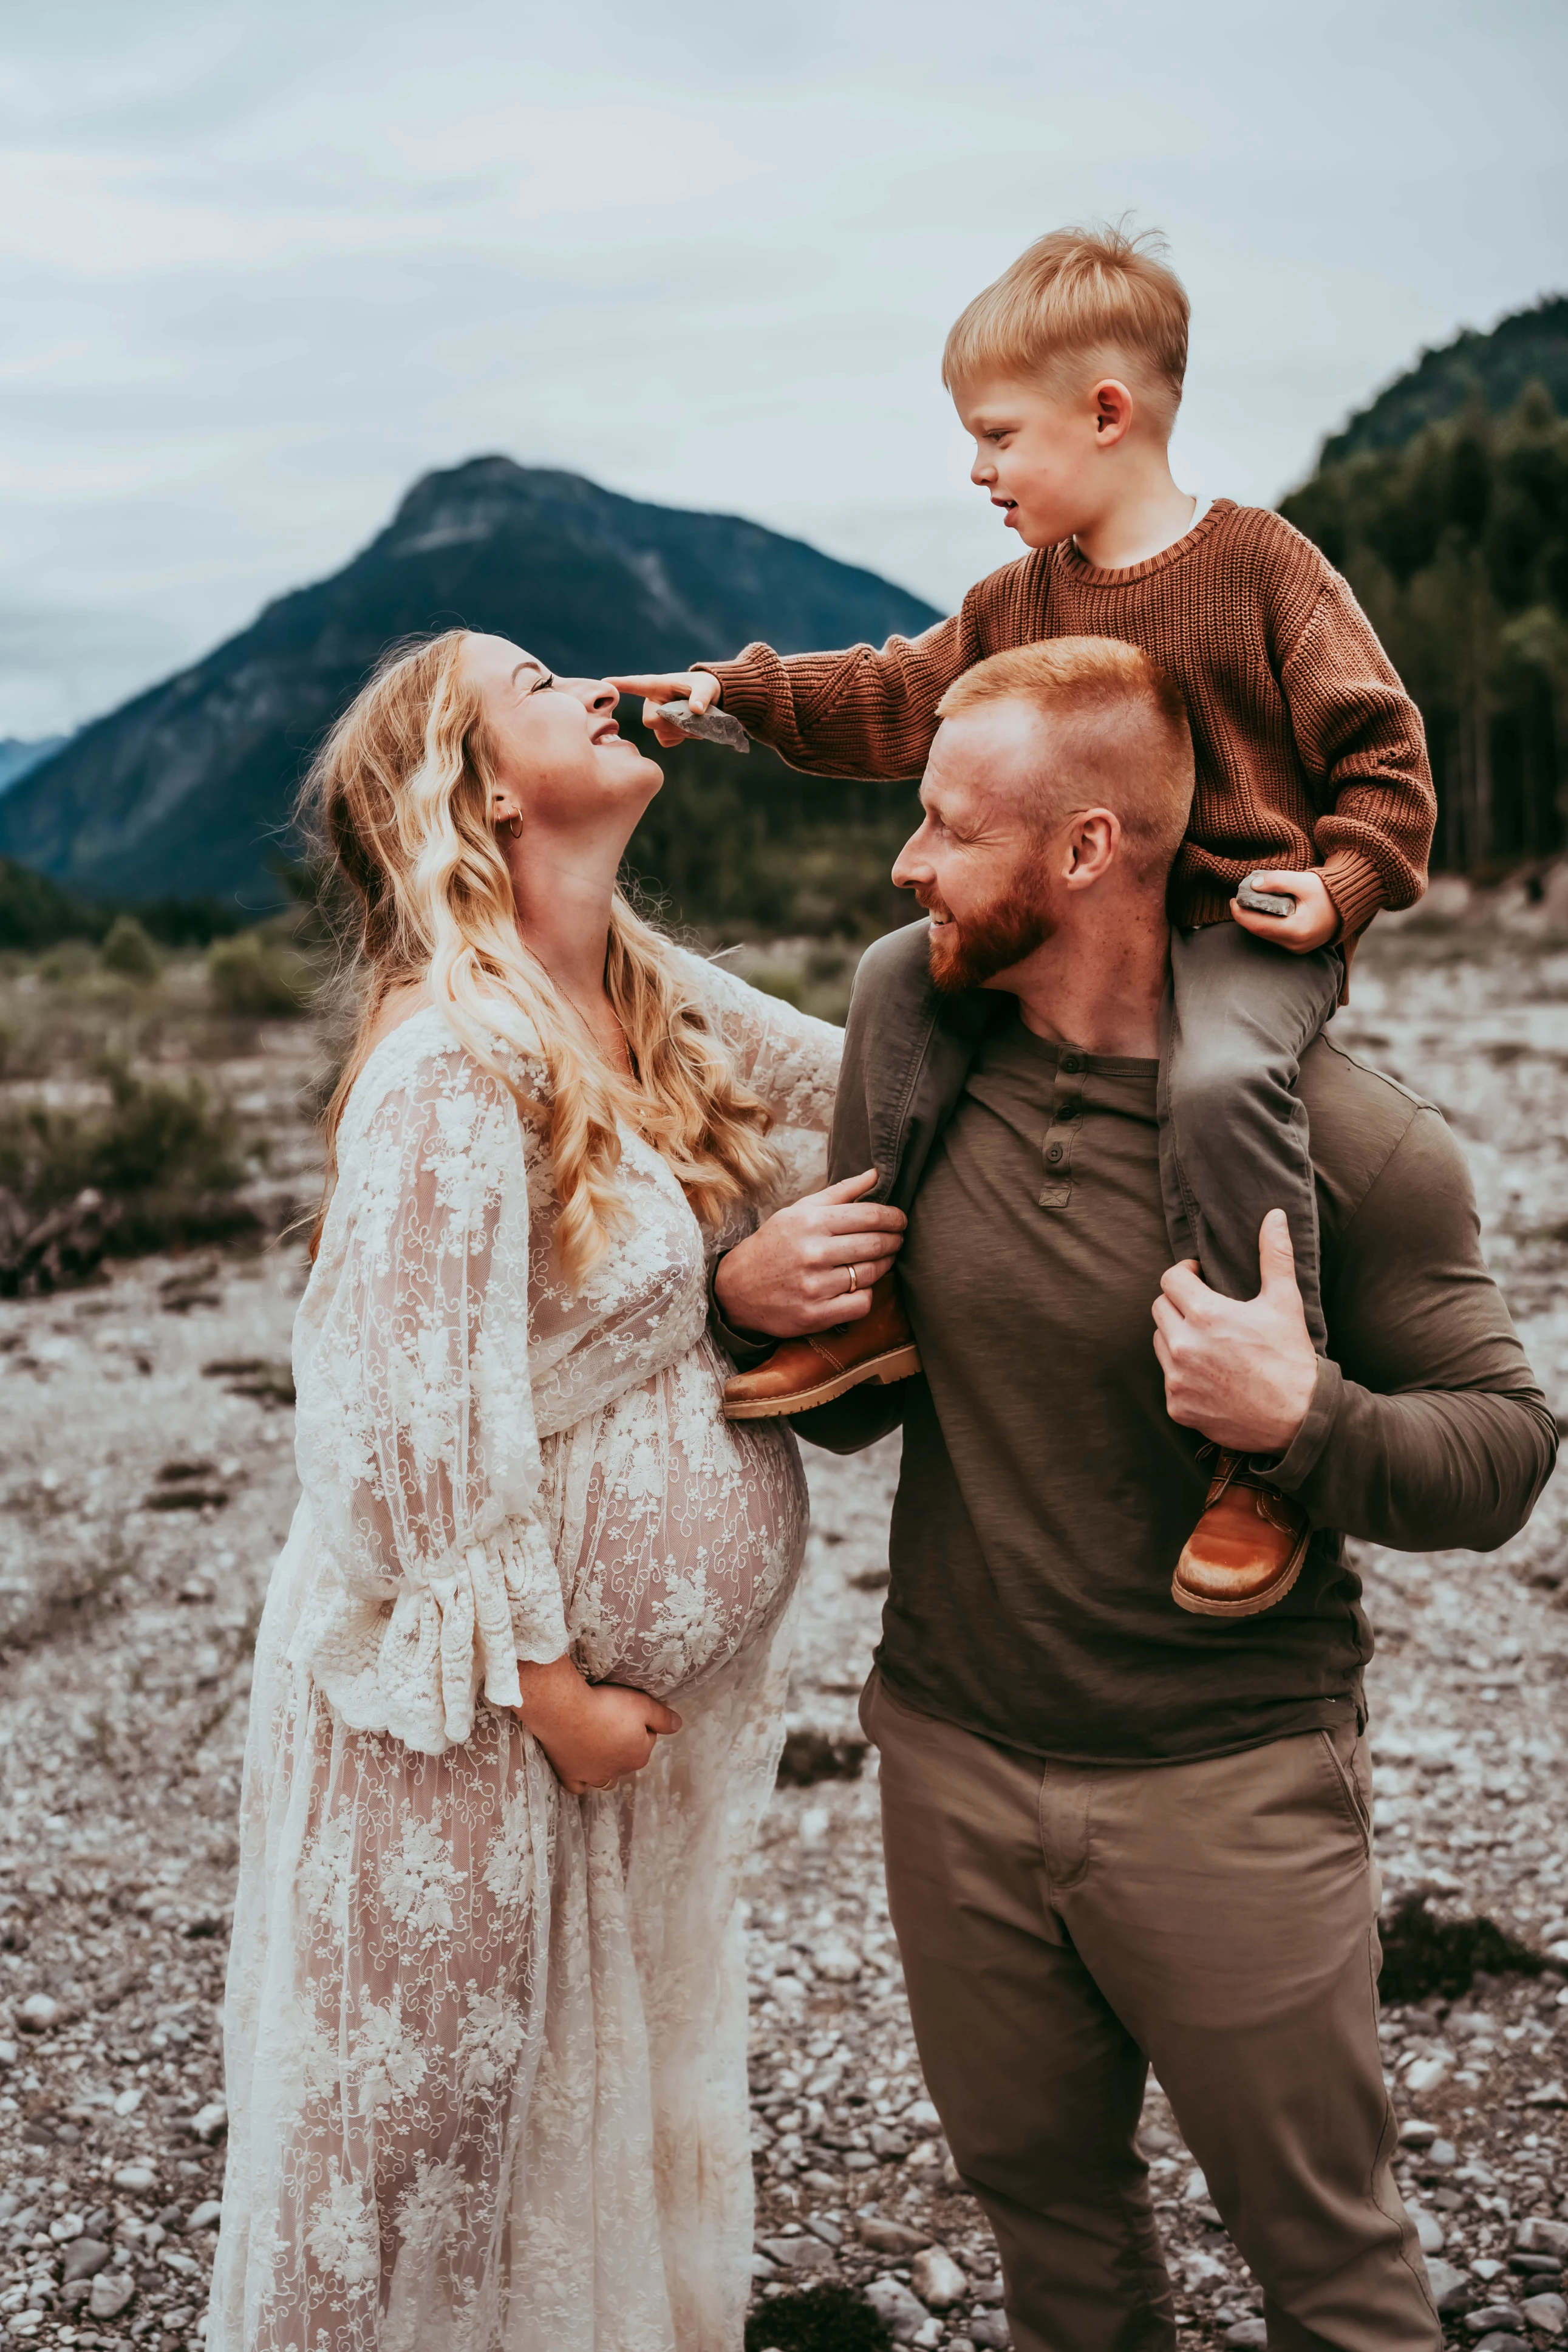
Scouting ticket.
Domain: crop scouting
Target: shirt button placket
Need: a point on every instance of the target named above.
(1056, 1190)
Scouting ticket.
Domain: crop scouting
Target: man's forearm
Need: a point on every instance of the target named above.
(1428, 1472)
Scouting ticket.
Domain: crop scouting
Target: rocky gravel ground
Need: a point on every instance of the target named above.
(146, 1485)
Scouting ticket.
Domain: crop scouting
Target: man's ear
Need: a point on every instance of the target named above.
(1092, 847)
(1112, 411)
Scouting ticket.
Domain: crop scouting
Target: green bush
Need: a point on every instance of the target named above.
(128, 952)
(826, 2318)
(258, 974)
(167, 1157)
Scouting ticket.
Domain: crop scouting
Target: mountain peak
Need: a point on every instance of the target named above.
(188, 789)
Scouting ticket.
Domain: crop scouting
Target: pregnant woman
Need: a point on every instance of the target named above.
(519, 1686)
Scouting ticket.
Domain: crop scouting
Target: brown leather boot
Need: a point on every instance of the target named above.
(801, 1373)
(1246, 1550)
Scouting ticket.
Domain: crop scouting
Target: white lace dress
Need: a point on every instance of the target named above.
(485, 2042)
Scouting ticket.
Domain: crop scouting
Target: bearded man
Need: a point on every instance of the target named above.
(1120, 1833)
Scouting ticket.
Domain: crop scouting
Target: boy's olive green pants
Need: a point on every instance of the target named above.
(1063, 1928)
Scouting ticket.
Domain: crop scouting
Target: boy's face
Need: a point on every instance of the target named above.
(1040, 455)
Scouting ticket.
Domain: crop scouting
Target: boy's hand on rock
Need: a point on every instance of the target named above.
(698, 686)
(1315, 922)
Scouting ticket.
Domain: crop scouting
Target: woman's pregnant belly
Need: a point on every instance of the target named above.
(678, 1534)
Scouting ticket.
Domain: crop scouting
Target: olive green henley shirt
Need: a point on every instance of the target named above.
(1045, 1494)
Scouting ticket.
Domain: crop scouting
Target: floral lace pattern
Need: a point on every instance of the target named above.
(486, 2042)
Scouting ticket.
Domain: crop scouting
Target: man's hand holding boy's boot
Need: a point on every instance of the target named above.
(1243, 1370)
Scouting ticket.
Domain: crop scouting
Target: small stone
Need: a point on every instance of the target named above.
(856, 2160)
(1547, 2314)
(896, 2308)
(990, 2332)
(136, 2177)
(1196, 2191)
(938, 2280)
(1429, 2229)
(761, 2269)
(127, 2102)
(211, 2122)
(1415, 2134)
(888, 2145)
(1248, 2335)
(828, 2232)
(1425, 2075)
(84, 2257)
(1550, 2094)
(112, 2291)
(928, 2155)
(67, 2226)
(1505, 2341)
(1443, 2154)
(921, 2118)
(1451, 2288)
(7, 2053)
(837, 1963)
(1536, 2235)
(889, 2237)
(39, 2013)
(1493, 2315)
(803, 2253)
(207, 2215)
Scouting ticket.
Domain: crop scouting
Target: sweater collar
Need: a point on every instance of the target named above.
(1097, 576)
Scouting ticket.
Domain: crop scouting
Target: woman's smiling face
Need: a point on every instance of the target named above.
(559, 755)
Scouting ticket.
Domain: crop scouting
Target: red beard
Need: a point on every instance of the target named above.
(968, 954)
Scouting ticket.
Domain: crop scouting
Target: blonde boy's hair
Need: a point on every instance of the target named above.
(1120, 736)
(1077, 292)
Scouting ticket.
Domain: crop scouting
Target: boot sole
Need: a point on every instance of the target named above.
(898, 1364)
(1199, 1604)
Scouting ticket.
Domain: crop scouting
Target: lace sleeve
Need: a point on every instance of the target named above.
(791, 1059)
(418, 1452)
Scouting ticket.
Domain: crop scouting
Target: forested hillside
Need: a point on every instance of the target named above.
(1457, 544)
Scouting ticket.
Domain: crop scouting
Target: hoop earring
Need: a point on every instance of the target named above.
(512, 825)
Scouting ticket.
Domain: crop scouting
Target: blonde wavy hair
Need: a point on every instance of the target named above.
(400, 793)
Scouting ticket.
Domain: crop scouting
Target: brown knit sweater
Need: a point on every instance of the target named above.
(1310, 753)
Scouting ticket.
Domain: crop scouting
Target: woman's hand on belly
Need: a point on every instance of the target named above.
(595, 1735)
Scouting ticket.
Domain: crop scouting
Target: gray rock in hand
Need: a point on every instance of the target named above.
(713, 725)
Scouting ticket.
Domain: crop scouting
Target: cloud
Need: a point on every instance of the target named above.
(262, 266)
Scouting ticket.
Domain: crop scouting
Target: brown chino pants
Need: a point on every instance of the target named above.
(1063, 1928)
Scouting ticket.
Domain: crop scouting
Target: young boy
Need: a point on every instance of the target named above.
(1311, 780)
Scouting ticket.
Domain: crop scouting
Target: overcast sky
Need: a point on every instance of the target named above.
(263, 265)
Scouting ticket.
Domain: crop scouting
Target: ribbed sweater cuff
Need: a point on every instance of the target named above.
(1356, 887)
(742, 691)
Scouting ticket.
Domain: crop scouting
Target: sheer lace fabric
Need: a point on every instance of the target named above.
(486, 2042)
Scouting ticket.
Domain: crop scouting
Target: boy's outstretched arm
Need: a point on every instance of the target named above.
(862, 712)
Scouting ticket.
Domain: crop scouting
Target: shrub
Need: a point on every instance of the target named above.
(166, 1158)
(1424, 1954)
(128, 952)
(258, 974)
(827, 2319)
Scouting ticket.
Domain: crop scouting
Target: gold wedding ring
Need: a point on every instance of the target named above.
(853, 1283)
